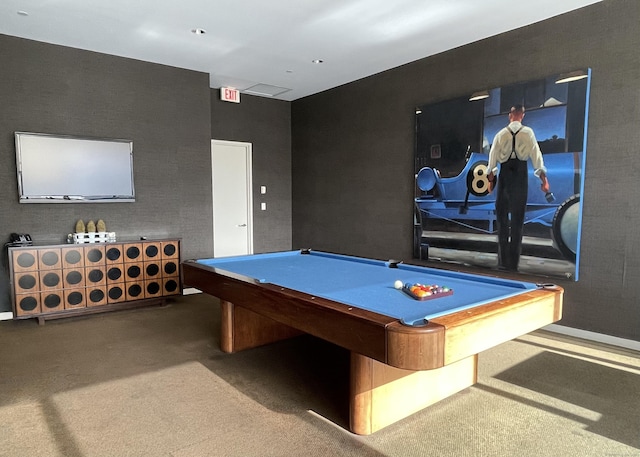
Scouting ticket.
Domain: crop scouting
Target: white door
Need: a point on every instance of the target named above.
(232, 198)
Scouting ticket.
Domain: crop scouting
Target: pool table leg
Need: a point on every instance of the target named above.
(381, 394)
(244, 329)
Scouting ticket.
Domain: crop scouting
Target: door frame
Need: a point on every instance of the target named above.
(249, 177)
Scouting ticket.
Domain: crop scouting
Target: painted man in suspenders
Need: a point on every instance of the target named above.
(512, 147)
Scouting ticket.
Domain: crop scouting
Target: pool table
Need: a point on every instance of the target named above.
(406, 353)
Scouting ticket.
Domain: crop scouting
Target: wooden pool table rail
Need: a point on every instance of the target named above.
(353, 328)
(442, 341)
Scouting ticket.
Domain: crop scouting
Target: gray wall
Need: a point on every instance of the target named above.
(167, 112)
(266, 124)
(353, 152)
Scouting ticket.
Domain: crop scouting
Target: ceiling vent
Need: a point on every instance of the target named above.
(265, 90)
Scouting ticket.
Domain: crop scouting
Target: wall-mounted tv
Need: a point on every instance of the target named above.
(69, 169)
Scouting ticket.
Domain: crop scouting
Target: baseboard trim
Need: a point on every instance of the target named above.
(593, 336)
(6, 316)
(191, 291)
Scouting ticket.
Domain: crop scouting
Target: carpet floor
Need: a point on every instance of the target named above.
(152, 382)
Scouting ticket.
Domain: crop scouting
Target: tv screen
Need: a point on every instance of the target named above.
(67, 169)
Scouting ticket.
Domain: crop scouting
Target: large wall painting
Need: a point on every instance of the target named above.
(455, 216)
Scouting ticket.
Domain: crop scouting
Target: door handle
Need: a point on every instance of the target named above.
(241, 225)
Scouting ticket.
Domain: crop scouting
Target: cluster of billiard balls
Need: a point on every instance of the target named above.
(421, 290)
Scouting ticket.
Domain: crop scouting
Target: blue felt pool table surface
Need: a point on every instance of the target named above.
(369, 284)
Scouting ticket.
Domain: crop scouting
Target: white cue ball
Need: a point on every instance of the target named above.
(398, 284)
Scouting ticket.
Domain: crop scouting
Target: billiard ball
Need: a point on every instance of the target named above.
(398, 284)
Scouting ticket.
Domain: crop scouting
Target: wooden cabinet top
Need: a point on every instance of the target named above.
(74, 245)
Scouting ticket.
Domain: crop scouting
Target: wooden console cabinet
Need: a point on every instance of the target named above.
(55, 281)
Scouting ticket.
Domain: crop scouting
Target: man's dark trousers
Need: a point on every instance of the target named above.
(511, 203)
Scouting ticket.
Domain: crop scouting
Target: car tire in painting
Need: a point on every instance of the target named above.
(564, 228)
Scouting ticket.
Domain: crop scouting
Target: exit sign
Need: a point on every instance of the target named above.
(229, 94)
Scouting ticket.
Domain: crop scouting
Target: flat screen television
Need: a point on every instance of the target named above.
(70, 169)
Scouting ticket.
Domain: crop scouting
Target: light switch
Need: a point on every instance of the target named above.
(263, 189)
(263, 206)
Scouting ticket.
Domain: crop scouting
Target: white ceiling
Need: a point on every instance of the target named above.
(272, 43)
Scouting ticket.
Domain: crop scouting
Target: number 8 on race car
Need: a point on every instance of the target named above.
(478, 179)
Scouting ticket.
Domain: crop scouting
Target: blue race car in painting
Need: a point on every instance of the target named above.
(465, 201)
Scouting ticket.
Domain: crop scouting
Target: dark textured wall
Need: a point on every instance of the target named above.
(353, 151)
(164, 110)
(266, 124)
(167, 112)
